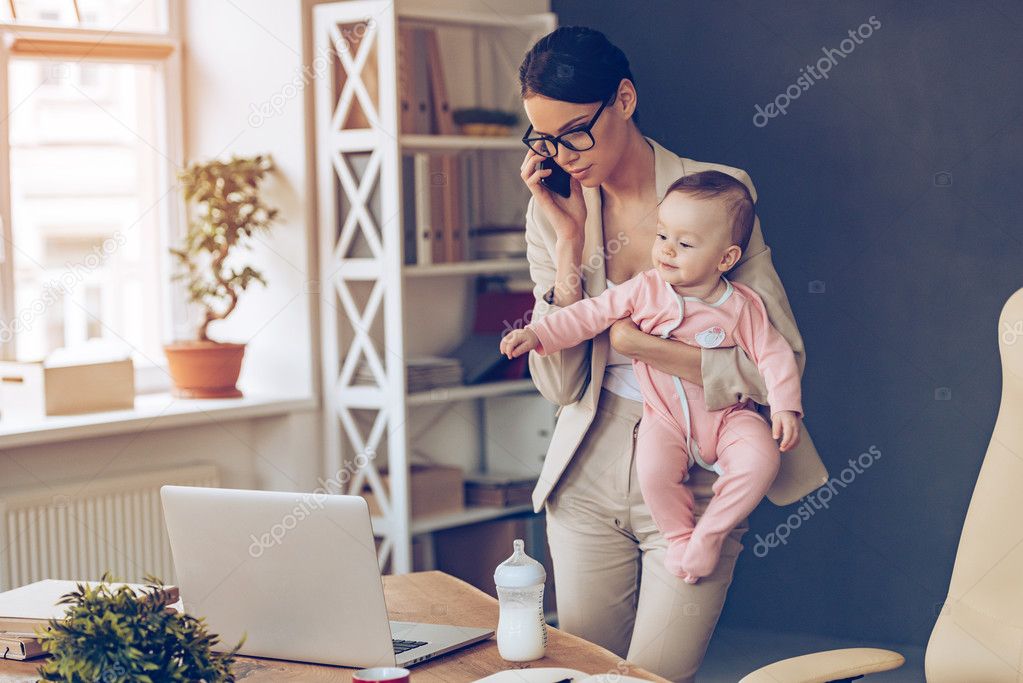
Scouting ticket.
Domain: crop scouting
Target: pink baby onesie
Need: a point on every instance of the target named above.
(676, 429)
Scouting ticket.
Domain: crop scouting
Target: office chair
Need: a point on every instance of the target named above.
(978, 637)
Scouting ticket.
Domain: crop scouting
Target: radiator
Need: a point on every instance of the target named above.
(79, 530)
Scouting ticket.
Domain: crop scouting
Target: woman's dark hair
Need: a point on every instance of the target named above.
(574, 64)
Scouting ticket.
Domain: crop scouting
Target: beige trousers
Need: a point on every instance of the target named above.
(608, 556)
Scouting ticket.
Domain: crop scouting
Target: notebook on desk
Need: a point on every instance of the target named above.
(34, 604)
(31, 606)
(20, 647)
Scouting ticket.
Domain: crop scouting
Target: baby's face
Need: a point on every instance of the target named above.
(693, 238)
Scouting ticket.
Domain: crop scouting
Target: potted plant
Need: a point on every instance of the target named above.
(118, 636)
(230, 211)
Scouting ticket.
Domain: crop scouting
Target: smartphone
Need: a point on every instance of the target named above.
(558, 181)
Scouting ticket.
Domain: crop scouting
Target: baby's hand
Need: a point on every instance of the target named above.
(518, 342)
(785, 425)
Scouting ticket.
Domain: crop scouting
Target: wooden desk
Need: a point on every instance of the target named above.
(432, 597)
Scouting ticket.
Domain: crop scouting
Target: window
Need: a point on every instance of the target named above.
(122, 15)
(93, 146)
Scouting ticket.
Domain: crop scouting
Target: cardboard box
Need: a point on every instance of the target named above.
(434, 489)
(31, 390)
(498, 489)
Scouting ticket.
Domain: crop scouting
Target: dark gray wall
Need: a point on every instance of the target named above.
(915, 265)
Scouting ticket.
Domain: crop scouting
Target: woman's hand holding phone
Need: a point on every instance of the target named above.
(566, 214)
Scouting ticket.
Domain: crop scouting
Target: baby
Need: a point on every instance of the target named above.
(704, 224)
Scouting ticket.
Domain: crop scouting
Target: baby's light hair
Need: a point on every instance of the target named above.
(715, 184)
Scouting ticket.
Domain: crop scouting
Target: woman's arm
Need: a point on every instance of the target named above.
(667, 355)
(560, 377)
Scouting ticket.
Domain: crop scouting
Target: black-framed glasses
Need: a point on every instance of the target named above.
(578, 139)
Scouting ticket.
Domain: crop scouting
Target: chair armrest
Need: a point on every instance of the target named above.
(832, 665)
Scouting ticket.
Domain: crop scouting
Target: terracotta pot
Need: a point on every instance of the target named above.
(204, 369)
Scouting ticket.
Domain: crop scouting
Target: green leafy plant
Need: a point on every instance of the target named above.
(118, 636)
(230, 212)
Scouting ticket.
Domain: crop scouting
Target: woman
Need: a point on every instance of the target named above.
(612, 588)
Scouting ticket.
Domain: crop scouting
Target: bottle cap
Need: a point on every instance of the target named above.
(520, 570)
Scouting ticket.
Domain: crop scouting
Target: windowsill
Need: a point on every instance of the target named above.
(152, 411)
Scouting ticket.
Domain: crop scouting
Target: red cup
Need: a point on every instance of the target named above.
(381, 674)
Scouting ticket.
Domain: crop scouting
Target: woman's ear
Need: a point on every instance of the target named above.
(625, 100)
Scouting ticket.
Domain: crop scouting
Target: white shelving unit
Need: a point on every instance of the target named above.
(367, 208)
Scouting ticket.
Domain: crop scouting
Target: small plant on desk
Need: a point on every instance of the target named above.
(116, 636)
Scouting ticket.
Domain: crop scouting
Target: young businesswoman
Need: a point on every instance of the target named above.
(612, 588)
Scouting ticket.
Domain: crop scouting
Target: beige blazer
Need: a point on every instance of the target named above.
(572, 377)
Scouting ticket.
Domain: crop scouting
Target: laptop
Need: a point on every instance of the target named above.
(297, 574)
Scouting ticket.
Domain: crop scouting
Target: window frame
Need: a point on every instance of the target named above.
(162, 50)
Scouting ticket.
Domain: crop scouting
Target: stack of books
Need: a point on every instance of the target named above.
(431, 372)
(498, 241)
(421, 374)
(25, 609)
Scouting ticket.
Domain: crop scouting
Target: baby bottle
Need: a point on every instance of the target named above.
(521, 629)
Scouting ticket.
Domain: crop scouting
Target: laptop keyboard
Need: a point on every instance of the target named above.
(406, 645)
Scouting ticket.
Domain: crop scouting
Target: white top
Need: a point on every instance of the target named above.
(619, 377)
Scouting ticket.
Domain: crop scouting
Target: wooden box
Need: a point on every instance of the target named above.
(32, 390)
(434, 489)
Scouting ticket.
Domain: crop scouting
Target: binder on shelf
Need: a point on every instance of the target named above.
(441, 108)
(437, 180)
(406, 92)
(424, 106)
(439, 233)
(419, 78)
(453, 210)
(408, 211)
(471, 201)
(423, 217)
